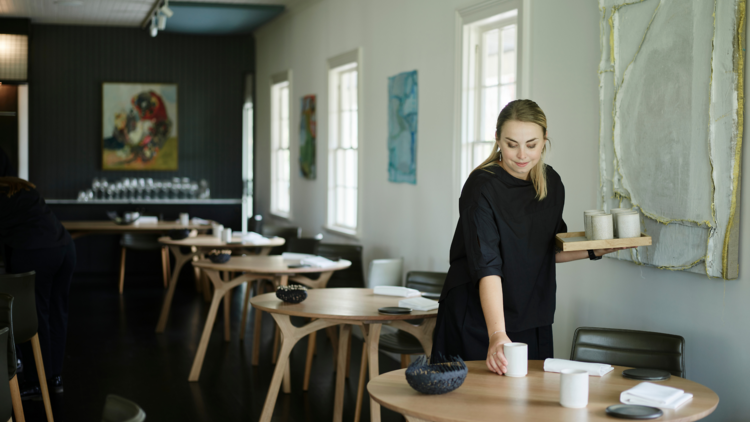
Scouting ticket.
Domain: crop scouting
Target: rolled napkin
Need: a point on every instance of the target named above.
(250, 237)
(419, 304)
(595, 369)
(650, 394)
(396, 291)
(318, 262)
(147, 219)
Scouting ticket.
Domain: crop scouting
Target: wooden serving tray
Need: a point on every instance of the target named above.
(576, 241)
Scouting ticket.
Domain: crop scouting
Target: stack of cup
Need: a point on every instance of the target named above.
(601, 227)
(587, 222)
(226, 234)
(628, 225)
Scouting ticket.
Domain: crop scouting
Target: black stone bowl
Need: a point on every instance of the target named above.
(292, 294)
(219, 258)
(438, 378)
(179, 234)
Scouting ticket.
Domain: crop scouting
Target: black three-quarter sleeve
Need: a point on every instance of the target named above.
(482, 239)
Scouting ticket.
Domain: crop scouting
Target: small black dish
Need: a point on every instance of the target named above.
(646, 374)
(632, 411)
(436, 378)
(219, 257)
(179, 234)
(292, 294)
(124, 220)
(394, 310)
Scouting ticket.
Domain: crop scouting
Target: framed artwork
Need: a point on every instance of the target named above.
(403, 113)
(307, 131)
(139, 126)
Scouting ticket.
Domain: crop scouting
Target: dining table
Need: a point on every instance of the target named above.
(195, 247)
(486, 396)
(344, 307)
(245, 269)
(84, 228)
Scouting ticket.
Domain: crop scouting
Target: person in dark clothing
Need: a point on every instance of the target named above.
(501, 283)
(38, 242)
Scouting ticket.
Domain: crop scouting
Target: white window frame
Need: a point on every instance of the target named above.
(336, 67)
(470, 23)
(279, 81)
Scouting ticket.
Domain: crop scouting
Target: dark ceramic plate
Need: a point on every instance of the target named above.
(394, 310)
(631, 411)
(646, 374)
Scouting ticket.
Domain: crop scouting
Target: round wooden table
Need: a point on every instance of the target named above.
(486, 396)
(82, 228)
(250, 268)
(196, 247)
(344, 307)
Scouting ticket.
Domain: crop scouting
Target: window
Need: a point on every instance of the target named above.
(248, 165)
(490, 81)
(343, 149)
(280, 157)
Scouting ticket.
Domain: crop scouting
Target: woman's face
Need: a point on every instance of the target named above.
(521, 145)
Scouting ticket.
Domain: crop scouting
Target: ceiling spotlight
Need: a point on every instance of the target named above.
(166, 10)
(154, 29)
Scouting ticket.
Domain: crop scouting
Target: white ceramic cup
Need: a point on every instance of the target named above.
(217, 229)
(184, 218)
(226, 235)
(629, 225)
(574, 388)
(517, 355)
(587, 221)
(615, 212)
(601, 227)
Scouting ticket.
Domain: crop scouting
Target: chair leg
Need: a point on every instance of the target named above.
(122, 269)
(164, 258)
(275, 345)
(15, 397)
(308, 362)
(227, 328)
(361, 384)
(256, 336)
(42, 376)
(349, 355)
(245, 303)
(405, 361)
(334, 337)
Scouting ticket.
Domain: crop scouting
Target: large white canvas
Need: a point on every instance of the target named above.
(671, 127)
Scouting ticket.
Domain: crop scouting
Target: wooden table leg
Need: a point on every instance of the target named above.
(286, 385)
(245, 310)
(180, 260)
(227, 304)
(338, 402)
(362, 379)
(256, 336)
(373, 341)
(195, 371)
(308, 361)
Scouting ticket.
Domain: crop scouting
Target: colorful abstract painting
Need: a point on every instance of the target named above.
(307, 130)
(139, 126)
(403, 110)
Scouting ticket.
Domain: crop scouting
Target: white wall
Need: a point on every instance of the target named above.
(416, 222)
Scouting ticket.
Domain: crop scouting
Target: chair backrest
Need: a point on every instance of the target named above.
(639, 349)
(140, 241)
(304, 244)
(6, 407)
(385, 272)
(426, 281)
(288, 233)
(255, 224)
(6, 322)
(353, 276)
(21, 287)
(118, 409)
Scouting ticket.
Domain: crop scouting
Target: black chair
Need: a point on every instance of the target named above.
(143, 242)
(118, 409)
(304, 244)
(255, 224)
(402, 342)
(25, 323)
(8, 359)
(639, 349)
(353, 276)
(288, 233)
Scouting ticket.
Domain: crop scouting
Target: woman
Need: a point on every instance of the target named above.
(38, 242)
(501, 283)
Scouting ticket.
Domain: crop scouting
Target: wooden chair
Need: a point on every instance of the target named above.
(8, 352)
(144, 242)
(639, 349)
(6, 405)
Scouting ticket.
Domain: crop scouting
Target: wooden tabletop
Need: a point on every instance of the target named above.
(336, 303)
(210, 241)
(273, 264)
(111, 226)
(485, 396)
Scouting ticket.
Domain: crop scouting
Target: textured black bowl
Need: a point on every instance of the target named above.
(219, 258)
(292, 294)
(179, 234)
(438, 378)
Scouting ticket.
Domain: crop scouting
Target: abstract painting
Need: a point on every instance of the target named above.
(139, 126)
(307, 131)
(403, 112)
(671, 98)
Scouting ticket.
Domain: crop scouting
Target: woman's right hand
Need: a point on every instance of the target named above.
(496, 361)
(15, 185)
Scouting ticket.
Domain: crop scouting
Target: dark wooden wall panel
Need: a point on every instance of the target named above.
(69, 65)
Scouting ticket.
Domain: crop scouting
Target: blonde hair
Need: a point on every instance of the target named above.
(523, 111)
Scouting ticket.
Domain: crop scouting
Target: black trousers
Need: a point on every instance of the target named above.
(54, 271)
(461, 330)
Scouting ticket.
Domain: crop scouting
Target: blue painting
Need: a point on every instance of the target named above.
(403, 111)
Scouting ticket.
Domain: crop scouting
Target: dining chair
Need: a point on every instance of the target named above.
(8, 352)
(24, 325)
(287, 233)
(639, 349)
(385, 272)
(6, 403)
(119, 409)
(144, 242)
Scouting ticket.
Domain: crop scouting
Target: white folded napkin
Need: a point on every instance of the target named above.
(198, 220)
(251, 237)
(294, 256)
(595, 369)
(419, 303)
(650, 394)
(396, 291)
(319, 262)
(147, 219)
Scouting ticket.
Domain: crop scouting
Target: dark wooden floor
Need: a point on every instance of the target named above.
(112, 349)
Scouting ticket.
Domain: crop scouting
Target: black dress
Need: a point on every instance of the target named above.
(503, 230)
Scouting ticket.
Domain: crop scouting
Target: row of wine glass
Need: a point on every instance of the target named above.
(145, 189)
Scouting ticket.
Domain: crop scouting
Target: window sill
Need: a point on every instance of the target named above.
(354, 234)
(281, 216)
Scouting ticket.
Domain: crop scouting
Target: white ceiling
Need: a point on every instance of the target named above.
(99, 12)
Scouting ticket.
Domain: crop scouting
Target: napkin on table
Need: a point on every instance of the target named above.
(147, 219)
(251, 237)
(396, 291)
(318, 261)
(595, 369)
(650, 394)
(419, 303)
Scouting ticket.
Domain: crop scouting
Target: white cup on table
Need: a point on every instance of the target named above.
(184, 218)
(574, 388)
(517, 355)
(226, 235)
(217, 229)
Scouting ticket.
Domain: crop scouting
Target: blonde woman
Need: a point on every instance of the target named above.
(501, 284)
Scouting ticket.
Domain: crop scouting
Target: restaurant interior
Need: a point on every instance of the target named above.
(325, 144)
